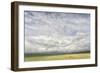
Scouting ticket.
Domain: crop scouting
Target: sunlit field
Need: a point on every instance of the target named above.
(46, 57)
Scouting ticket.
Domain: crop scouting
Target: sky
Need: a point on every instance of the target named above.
(54, 32)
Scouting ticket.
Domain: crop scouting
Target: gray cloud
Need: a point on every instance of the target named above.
(47, 32)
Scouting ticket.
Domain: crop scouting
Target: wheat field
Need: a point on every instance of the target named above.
(45, 57)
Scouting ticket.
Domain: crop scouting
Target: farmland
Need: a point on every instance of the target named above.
(46, 57)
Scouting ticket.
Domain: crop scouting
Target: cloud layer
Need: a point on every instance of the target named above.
(55, 32)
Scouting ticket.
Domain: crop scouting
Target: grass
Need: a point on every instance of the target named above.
(45, 57)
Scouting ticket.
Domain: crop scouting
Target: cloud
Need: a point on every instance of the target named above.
(47, 32)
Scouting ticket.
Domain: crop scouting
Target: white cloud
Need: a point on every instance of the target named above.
(47, 32)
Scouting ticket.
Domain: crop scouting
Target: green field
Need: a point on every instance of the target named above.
(45, 57)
